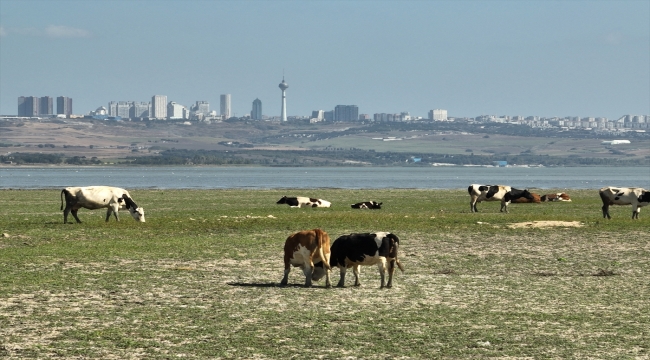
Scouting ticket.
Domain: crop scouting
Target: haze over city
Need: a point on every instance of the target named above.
(544, 58)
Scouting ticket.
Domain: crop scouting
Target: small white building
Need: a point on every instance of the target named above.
(615, 142)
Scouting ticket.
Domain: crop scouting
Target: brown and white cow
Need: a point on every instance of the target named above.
(556, 197)
(354, 250)
(503, 193)
(367, 205)
(98, 197)
(522, 200)
(309, 250)
(300, 201)
(637, 197)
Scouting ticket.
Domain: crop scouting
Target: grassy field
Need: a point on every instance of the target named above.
(200, 279)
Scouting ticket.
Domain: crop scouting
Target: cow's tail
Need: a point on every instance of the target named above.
(62, 192)
(395, 241)
(320, 235)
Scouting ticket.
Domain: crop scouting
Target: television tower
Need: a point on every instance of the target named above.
(283, 86)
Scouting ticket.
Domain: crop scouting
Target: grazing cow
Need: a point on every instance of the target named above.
(309, 250)
(354, 250)
(301, 201)
(97, 197)
(637, 197)
(367, 205)
(556, 197)
(522, 200)
(502, 193)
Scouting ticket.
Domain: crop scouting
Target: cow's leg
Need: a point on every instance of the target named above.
(382, 273)
(472, 205)
(391, 271)
(356, 270)
(74, 213)
(65, 214)
(504, 206)
(342, 279)
(328, 281)
(112, 208)
(308, 270)
(606, 211)
(287, 269)
(635, 213)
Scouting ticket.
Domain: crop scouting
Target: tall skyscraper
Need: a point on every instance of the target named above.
(159, 107)
(64, 105)
(225, 106)
(256, 113)
(346, 113)
(28, 106)
(283, 86)
(46, 106)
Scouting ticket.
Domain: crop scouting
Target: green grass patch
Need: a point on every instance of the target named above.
(200, 279)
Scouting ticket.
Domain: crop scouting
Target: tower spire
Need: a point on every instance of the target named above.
(283, 86)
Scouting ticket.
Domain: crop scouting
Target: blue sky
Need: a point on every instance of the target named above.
(546, 58)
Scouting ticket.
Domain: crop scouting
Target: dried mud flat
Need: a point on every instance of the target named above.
(545, 224)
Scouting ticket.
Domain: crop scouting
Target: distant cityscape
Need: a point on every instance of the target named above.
(159, 108)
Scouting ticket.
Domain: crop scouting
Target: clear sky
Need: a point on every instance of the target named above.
(545, 58)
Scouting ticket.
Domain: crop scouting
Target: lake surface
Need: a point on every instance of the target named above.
(438, 177)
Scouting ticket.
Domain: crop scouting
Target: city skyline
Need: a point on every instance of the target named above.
(500, 57)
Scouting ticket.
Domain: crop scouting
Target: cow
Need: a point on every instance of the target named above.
(556, 197)
(309, 250)
(367, 205)
(522, 200)
(300, 201)
(637, 197)
(503, 193)
(97, 197)
(354, 250)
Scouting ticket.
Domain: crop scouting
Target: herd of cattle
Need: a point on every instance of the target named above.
(310, 249)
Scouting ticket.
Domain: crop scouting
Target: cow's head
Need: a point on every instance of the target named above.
(645, 196)
(136, 212)
(282, 201)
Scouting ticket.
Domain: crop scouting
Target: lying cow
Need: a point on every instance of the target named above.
(309, 250)
(522, 200)
(354, 250)
(98, 197)
(502, 193)
(367, 205)
(637, 197)
(556, 197)
(301, 201)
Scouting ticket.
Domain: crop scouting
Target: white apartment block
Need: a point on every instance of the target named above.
(159, 107)
(438, 115)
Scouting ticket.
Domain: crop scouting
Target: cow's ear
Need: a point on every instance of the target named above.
(393, 237)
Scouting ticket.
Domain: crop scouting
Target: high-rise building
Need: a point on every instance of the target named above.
(346, 113)
(256, 112)
(438, 115)
(46, 105)
(225, 106)
(139, 109)
(123, 109)
(28, 106)
(64, 105)
(159, 107)
(283, 112)
(318, 114)
(176, 111)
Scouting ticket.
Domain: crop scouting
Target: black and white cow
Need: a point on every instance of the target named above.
(98, 197)
(300, 201)
(354, 250)
(637, 197)
(367, 205)
(502, 193)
